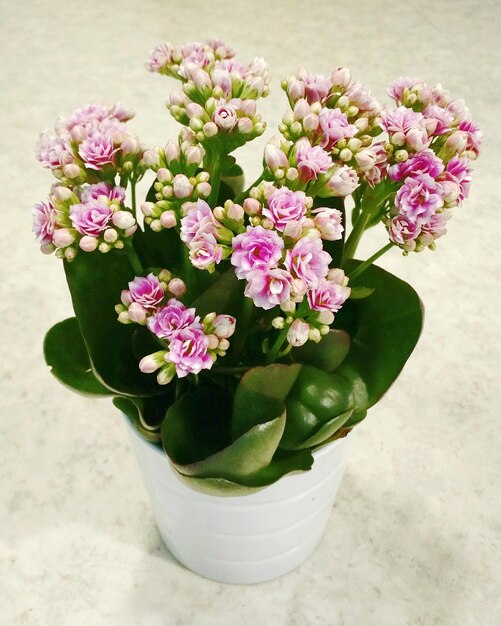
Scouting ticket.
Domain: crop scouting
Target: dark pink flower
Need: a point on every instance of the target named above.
(425, 162)
(97, 150)
(93, 192)
(474, 135)
(328, 296)
(146, 291)
(188, 350)
(308, 261)
(334, 126)
(402, 229)
(419, 198)
(311, 161)
(90, 218)
(172, 317)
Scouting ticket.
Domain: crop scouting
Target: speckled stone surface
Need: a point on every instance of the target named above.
(415, 537)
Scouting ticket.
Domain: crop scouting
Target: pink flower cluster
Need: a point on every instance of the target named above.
(217, 100)
(191, 345)
(92, 139)
(431, 143)
(88, 218)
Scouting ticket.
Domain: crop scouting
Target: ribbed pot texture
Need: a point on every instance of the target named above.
(244, 539)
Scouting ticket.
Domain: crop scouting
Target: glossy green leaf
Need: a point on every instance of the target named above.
(326, 431)
(195, 435)
(328, 354)
(358, 293)
(316, 398)
(95, 281)
(261, 395)
(65, 353)
(385, 328)
(224, 295)
(132, 410)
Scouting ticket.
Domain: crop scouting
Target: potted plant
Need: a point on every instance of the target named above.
(236, 329)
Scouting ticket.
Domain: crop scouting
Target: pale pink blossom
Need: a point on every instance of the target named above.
(44, 222)
(334, 126)
(474, 135)
(284, 206)
(308, 261)
(406, 126)
(225, 117)
(360, 96)
(311, 161)
(419, 198)
(402, 229)
(343, 182)
(224, 326)
(172, 317)
(316, 87)
(275, 157)
(425, 162)
(408, 91)
(257, 248)
(198, 221)
(459, 171)
(268, 287)
(54, 151)
(329, 222)
(90, 218)
(93, 192)
(205, 252)
(438, 120)
(434, 228)
(328, 296)
(188, 350)
(97, 151)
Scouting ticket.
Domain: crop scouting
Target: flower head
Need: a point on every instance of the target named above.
(268, 287)
(419, 198)
(308, 261)
(188, 351)
(172, 317)
(257, 248)
(284, 206)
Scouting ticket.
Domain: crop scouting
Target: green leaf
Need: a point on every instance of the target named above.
(358, 293)
(385, 328)
(95, 281)
(195, 435)
(316, 399)
(223, 296)
(261, 395)
(326, 431)
(65, 353)
(328, 354)
(132, 409)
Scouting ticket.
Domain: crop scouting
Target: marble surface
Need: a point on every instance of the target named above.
(415, 537)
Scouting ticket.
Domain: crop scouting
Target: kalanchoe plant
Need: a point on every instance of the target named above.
(236, 328)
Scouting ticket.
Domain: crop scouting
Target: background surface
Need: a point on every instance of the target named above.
(415, 537)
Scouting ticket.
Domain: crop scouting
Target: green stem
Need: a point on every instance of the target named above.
(133, 194)
(134, 260)
(273, 353)
(244, 194)
(363, 266)
(214, 168)
(242, 327)
(353, 240)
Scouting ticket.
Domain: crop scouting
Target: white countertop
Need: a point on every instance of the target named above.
(415, 536)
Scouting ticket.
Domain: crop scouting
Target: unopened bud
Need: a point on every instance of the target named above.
(177, 287)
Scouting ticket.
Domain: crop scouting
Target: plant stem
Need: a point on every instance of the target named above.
(134, 260)
(242, 327)
(353, 240)
(214, 168)
(273, 353)
(133, 195)
(363, 266)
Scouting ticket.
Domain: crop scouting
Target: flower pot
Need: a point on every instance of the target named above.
(244, 539)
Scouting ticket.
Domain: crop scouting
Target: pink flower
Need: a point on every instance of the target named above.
(316, 87)
(438, 120)
(419, 198)
(44, 221)
(284, 206)
(160, 57)
(409, 90)
(311, 161)
(434, 228)
(93, 192)
(405, 126)
(343, 182)
(90, 218)
(425, 162)
(474, 135)
(328, 296)
(275, 157)
(308, 261)
(188, 351)
(458, 171)
(205, 252)
(362, 98)
(268, 287)
(402, 229)
(54, 151)
(198, 221)
(334, 126)
(257, 248)
(195, 53)
(170, 318)
(97, 150)
(86, 115)
(146, 291)
(225, 117)
(329, 223)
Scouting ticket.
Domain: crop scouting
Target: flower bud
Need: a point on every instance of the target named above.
(209, 129)
(177, 287)
(62, 194)
(298, 333)
(151, 158)
(326, 317)
(235, 212)
(301, 109)
(123, 219)
(166, 374)
(110, 235)
(130, 145)
(63, 237)
(168, 219)
(213, 342)
(252, 206)
(78, 133)
(275, 157)
(152, 362)
(182, 186)
(311, 122)
(314, 335)
(224, 326)
(137, 313)
(203, 189)
(148, 208)
(293, 230)
(288, 306)
(224, 344)
(71, 170)
(164, 276)
(245, 125)
(87, 243)
(172, 152)
(164, 175)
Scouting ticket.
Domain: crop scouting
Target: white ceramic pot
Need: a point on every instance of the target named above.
(243, 539)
